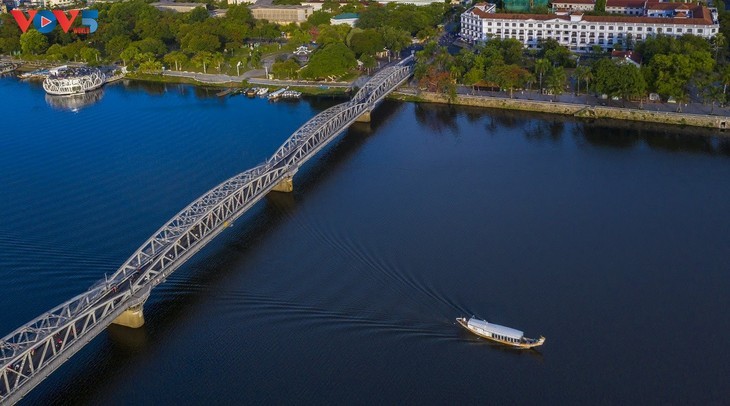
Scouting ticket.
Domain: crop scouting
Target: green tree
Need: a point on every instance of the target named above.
(198, 14)
(556, 80)
(582, 74)
(150, 66)
(115, 46)
(725, 78)
(331, 61)
(33, 42)
(600, 6)
(508, 76)
(129, 54)
(368, 41)
(195, 42)
(319, 17)
(90, 55)
(176, 58)
(55, 52)
(330, 34)
(203, 59)
(368, 62)
(719, 42)
(541, 67)
(394, 39)
(285, 69)
(217, 59)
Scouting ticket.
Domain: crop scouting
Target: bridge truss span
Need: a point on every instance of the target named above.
(30, 353)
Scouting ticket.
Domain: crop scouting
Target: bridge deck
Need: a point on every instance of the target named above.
(30, 353)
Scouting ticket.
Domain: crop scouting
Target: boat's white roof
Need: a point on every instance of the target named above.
(495, 328)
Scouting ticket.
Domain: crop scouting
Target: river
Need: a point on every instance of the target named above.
(610, 239)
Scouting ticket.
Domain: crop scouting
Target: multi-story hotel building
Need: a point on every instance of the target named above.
(580, 32)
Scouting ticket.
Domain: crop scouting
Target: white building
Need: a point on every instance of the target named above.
(581, 32)
(627, 7)
(566, 6)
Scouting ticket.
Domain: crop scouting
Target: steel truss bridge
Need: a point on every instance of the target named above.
(32, 352)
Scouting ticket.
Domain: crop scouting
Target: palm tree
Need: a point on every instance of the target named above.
(217, 59)
(541, 67)
(719, 41)
(725, 78)
(203, 58)
(175, 57)
(582, 74)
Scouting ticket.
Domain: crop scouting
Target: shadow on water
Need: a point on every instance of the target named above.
(340, 150)
(596, 132)
(159, 89)
(437, 117)
(122, 346)
(626, 135)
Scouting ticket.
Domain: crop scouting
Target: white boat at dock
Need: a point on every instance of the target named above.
(284, 93)
(276, 93)
(262, 91)
(500, 334)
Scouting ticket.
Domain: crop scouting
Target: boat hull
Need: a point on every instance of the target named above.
(525, 344)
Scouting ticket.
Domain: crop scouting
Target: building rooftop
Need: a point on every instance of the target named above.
(573, 2)
(700, 16)
(346, 16)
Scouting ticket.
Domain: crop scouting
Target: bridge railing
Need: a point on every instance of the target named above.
(31, 352)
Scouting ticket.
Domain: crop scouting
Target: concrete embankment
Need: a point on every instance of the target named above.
(576, 110)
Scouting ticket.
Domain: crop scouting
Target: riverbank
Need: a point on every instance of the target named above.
(307, 90)
(571, 109)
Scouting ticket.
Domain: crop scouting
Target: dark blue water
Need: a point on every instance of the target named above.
(610, 239)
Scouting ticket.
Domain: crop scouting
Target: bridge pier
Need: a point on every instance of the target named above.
(132, 317)
(286, 185)
(364, 118)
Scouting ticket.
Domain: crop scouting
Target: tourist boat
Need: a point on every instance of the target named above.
(65, 81)
(262, 91)
(500, 334)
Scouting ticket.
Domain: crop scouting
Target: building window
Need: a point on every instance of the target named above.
(620, 28)
(639, 28)
(699, 30)
(669, 30)
(522, 25)
(689, 30)
(539, 26)
(601, 28)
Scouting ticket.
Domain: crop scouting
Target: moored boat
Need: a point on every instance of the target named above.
(65, 81)
(500, 334)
